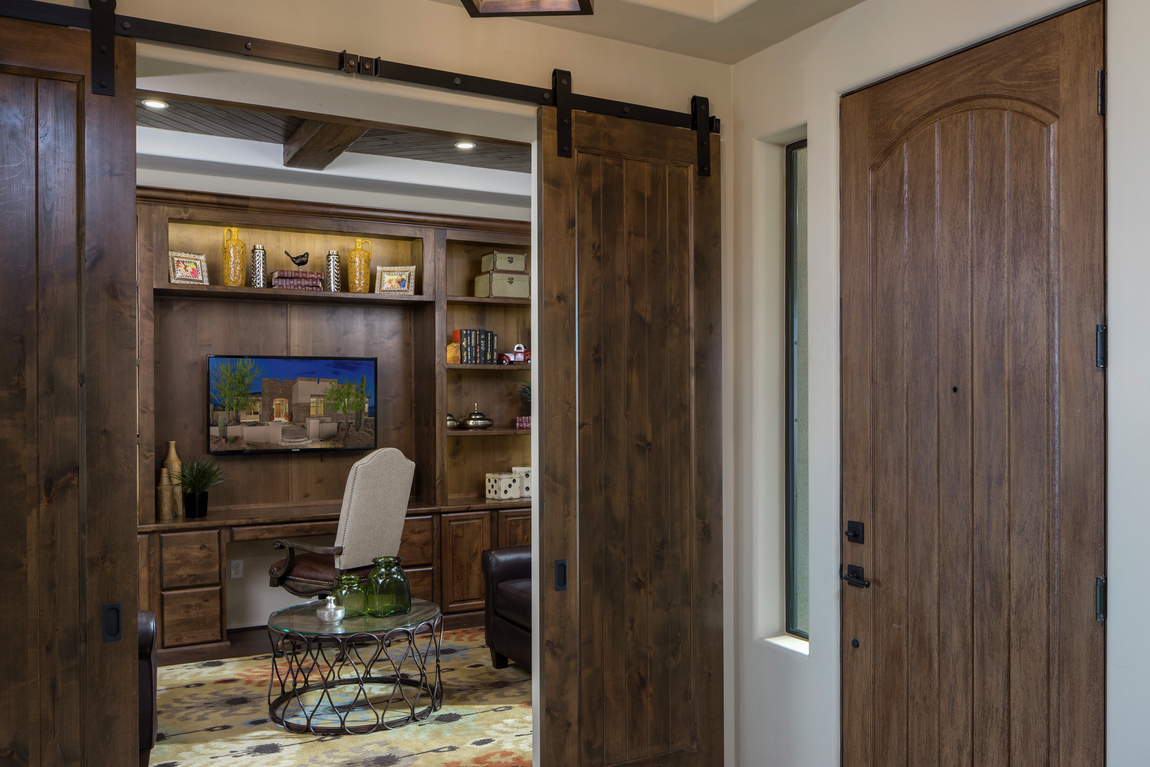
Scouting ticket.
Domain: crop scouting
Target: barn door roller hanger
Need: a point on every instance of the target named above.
(105, 24)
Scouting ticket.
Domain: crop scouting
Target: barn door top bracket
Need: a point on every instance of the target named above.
(103, 47)
(561, 87)
(701, 124)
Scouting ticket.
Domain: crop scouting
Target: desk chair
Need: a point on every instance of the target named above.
(370, 525)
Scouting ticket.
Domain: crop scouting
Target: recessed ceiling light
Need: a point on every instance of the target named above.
(155, 104)
(464, 144)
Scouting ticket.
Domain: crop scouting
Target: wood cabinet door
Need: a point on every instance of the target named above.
(631, 445)
(514, 527)
(973, 274)
(68, 350)
(463, 538)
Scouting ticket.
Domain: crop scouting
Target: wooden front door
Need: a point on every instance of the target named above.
(67, 401)
(632, 648)
(973, 411)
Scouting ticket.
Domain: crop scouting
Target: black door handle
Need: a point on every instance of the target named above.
(855, 577)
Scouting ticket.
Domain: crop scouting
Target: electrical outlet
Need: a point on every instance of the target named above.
(237, 568)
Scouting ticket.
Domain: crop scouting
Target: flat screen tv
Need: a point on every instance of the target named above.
(290, 404)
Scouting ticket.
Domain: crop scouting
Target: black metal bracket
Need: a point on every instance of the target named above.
(1100, 346)
(103, 47)
(561, 86)
(336, 61)
(1100, 599)
(701, 124)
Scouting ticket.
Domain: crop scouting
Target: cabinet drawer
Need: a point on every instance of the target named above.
(417, 546)
(190, 559)
(192, 617)
(422, 582)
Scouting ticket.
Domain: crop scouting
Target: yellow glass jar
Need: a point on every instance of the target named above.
(359, 267)
(235, 258)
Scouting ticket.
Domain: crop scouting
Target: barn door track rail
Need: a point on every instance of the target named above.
(105, 23)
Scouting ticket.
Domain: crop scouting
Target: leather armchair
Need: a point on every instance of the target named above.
(148, 642)
(507, 621)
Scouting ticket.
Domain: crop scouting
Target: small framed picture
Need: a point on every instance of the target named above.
(187, 267)
(397, 280)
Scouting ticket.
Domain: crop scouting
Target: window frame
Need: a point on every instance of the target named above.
(791, 395)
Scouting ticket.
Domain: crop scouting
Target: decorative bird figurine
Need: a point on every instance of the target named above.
(297, 260)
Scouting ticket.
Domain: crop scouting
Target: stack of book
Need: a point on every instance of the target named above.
(294, 279)
(476, 347)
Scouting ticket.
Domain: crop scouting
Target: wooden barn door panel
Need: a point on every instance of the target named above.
(632, 649)
(973, 413)
(67, 409)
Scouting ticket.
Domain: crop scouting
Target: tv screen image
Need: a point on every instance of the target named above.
(286, 404)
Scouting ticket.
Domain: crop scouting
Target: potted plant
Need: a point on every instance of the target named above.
(196, 477)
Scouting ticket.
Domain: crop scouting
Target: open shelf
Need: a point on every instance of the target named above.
(472, 502)
(280, 294)
(489, 301)
(489, 432)
(513, 367)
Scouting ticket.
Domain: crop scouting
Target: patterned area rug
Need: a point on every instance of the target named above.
(216, 713)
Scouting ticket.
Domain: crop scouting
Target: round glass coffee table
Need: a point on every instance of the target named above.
(357, 676)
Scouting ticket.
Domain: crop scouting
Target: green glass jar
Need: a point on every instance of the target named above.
(388, 592)
(351, 595)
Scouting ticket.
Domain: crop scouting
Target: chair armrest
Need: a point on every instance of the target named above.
(310, 548)
(507, 563)
(277, 573)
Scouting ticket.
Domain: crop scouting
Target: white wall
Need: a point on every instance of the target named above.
(788, 703)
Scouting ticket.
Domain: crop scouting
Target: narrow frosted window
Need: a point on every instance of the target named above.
(798, 551)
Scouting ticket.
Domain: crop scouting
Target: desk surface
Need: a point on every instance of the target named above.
(311, 512)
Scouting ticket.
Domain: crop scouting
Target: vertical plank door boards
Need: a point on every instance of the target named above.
(973, 415)
(630, 460)
(70, 346)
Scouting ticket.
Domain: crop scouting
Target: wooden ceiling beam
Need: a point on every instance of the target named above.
(315, 144)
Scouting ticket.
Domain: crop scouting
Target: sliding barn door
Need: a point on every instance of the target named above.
(973, 280)
(67, 402)
(632, 650)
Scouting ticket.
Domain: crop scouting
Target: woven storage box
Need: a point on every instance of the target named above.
(504, 262)
(499, 284)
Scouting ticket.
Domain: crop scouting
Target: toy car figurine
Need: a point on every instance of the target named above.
(519, 354)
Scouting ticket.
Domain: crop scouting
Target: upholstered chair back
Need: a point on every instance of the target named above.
(374, 507)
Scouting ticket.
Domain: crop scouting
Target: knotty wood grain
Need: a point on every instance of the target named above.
(995, 549)
(644, 231)
(955, 441)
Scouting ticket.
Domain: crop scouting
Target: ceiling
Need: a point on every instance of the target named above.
(727, 31)
(229, 121)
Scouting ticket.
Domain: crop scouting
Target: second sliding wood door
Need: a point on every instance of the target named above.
(631, 638)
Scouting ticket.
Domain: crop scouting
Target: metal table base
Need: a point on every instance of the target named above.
(402, 665)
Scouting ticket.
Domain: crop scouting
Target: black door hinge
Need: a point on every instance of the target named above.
(103, 47)
(1100, 346)
(1100, 598)
(1101, 92)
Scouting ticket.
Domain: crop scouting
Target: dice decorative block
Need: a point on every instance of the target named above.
(508, 486)
(524, 474)
(492, 486)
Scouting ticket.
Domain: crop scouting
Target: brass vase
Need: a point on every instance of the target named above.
(173, 464)
(359, 267)
(235, 258)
